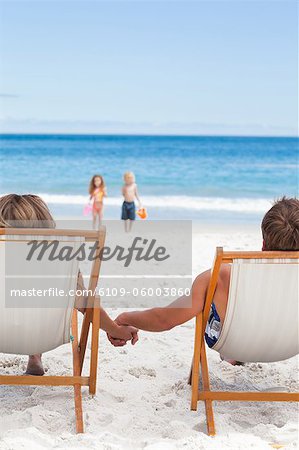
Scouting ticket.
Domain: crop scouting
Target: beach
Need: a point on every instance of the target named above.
(224, 185)
(143, 399)
(148, 134)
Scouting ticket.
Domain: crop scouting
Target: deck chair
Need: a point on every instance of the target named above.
(39, 327)
(261, 323)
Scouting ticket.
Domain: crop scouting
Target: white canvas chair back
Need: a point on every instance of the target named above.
(31, 325)
(261, 323)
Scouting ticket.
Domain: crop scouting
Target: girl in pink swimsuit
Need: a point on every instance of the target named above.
(97, 192)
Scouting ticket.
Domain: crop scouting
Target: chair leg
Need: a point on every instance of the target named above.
(196, 360)
(206, 387)
(77, 371)
(199, 347)
(94, 346)
(84, 336)
(210, 418)
(78, 409)
(190, 374)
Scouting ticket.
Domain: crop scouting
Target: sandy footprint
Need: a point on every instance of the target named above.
(140, 372)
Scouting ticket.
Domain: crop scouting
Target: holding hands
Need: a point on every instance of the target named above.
(125, 330)
(118, 334)
(121, 334)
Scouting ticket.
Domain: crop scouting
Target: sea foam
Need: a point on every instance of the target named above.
(246, 205)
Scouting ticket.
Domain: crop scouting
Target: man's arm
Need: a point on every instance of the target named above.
(176, 313)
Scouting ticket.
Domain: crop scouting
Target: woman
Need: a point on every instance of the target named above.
(30, 211)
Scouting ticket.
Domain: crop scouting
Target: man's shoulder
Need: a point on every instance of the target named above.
(224, 273)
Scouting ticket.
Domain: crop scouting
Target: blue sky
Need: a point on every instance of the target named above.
(200, 67)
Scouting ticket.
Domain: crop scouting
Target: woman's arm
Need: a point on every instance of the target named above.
(119, 332)
(176, 313)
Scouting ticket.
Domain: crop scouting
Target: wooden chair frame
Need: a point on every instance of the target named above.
(200, 363)
(91, 317)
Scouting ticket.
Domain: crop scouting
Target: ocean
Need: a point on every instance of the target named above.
(208, 179)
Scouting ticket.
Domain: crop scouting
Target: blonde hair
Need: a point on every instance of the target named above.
(129, 175)
(24, 211)
(280, 225)
(92, 186)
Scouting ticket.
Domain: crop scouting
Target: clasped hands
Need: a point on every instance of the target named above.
(124, 333)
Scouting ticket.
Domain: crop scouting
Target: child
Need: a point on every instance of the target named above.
(129, 192)
(97, 192)
(280, 230)
(31, 211)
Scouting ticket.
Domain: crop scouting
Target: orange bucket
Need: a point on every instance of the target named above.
(142, 213)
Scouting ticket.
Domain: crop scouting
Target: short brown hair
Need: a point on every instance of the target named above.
(24, 211)
(280, 225)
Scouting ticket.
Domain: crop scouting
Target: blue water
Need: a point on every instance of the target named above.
(188, 169)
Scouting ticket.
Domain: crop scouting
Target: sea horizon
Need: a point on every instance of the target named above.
(129, 134)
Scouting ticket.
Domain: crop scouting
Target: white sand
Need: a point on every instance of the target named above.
(143, 399)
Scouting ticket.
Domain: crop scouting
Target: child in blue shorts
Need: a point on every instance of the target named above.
(129, 192)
